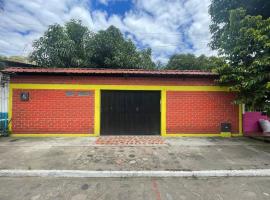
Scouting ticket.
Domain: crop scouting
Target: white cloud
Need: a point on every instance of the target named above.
(105, 2)
(167, 26)
(34, 17)
(171, 26)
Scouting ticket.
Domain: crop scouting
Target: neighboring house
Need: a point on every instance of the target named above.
(94, 102)
(3, 102)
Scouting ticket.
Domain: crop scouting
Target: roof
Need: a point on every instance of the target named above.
(6, 63)
(99, 71)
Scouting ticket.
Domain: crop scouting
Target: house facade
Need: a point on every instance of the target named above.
(94, 102)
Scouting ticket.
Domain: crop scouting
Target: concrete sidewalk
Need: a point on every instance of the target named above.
(177, 154)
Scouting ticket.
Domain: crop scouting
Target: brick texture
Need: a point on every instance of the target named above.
(200, 112)
(52, 111)
(130, 140)
(100, 80)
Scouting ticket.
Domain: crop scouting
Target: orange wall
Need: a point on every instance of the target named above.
(200, 112)
(51, 111)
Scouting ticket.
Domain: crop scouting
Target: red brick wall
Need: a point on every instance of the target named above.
(200, 112)
(99, 80)
(51, 111)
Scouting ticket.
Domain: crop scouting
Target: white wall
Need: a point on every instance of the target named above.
(4, 94)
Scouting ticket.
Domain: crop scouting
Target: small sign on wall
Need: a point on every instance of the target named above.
(69, 93)
(78, 93)
(83, 93)
(24, 96)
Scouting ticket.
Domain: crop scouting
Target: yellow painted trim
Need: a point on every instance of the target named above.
(97, 113)
(226, 134)
(117, 87)
(198, 135)
(93, 135)
(52, 135)
(240, 116)
(10, 108)
(192, 135)
(163, 112)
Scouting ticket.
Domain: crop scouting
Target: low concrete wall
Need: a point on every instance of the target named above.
(251, 126)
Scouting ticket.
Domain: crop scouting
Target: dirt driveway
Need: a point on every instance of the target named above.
(175, 154)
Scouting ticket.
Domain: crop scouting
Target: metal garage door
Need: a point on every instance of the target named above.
(130, 112)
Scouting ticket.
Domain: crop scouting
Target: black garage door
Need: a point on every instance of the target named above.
(130, 112)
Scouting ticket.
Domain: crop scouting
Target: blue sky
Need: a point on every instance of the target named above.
(117, 7)
(166, 26)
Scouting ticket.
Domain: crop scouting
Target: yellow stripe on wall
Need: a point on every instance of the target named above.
(116, 87)
(240, 118)
(197, 134)
(93, 135)
(51, 135)
(10, 107)
(163, 112)
(97, 113)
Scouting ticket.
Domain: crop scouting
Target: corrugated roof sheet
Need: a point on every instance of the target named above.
(94, 71)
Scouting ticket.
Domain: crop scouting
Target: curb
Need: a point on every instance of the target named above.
(265, 139)
(121, 174)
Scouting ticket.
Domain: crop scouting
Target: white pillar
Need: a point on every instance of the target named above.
(4, 96)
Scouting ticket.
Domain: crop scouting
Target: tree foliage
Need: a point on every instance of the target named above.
(111, 50)
(73, 45)
(242, 35)
(63, 46)
(191, 62)
(219, 11)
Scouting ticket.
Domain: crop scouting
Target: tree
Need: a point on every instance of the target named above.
(191, 62)
(2, 64)
(62, 46)
(73, 45)
(112, 50)
(182, 61)
(146, 60)
(3, 57)
(219, 11)
(244, 40)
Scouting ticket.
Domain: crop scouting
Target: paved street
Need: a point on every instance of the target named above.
(134, 189)
(174, 154)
